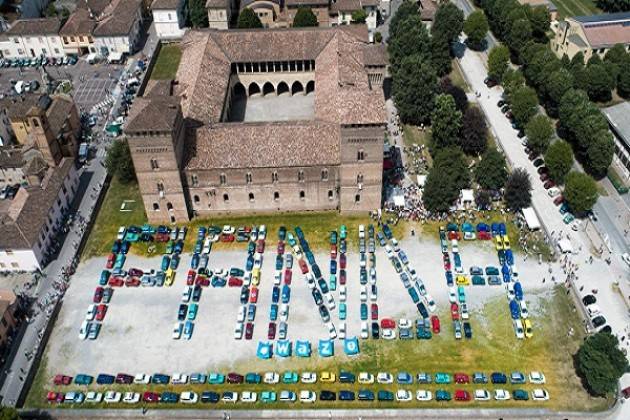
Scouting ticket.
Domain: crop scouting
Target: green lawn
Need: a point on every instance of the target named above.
(569, 8)
(493, 348)
(167, 62)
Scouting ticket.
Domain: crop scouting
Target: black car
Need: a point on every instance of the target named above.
(181, 313)
(317, 296)
(244, 295)
(123, 378)
(346, 378)
(323, 312)
(105, 379)
(327, 396)
(346, 396)
(322, 285)
(422, 309)
(467, 330)
(376, 333)
(520, 134)
(589, 300)
(538, 162)
(500, 103)
(196, 293)
(498, 378)
(146, 237)
(210, 397)
(107, 294)
(598, 321)
(505, 108)
(363, 277)
(490, 82)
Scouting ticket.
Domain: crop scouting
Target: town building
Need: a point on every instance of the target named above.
(119, 29)
(76, 33)
(169, 17)
(591, 34)
(8, 313)
(618, 117)
(552, 8)
(220, 13)
(341, 12)
(32, 38)
(263, 121)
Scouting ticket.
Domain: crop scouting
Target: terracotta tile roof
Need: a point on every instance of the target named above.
(11, 157)
(95, 6)
(44, 26)
(120, 18)
(427, 9)
(264, 145)
(158, 113)
(351, 5)
(306, 3)
(217, 4)
(264, 4)
(58, 113)
(375, 55)
(79, 22)
(608, 35)
(165, 4)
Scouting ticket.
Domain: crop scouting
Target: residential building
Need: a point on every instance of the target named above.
(553, 9)
(169, 17)
(591, 34)
(8, 321)
(618, 117)
(11, 166)
(32, 38)
(76, 33)
(119, 28)
(194, 158)
(318, 7)
(341, 12)
(220, 13)
(268, 11)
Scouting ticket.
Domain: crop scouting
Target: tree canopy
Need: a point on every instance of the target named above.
(414, 88)
(518, 190)
(539, 131)
(601, 363)
(613, 6)
(559, 160)
(446, 122)
(359, 16)
(118, 161)
(524, 102)
(476, 28)
(197, 13)
(580, 192)
(304, 17)
(448, 22)
(448, 175)
(248, 19)
(474, 132)
(498, 62)
(491, 171)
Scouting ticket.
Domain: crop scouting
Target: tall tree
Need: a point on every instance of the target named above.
(458, 94)
(559, 160)
(512, 80)
(599, 154)
(412, 38)
(491, 171)
(580, 191)
(118, 161)
(623, 84)
(197, 13)
(600, 362)
(448, 22)
(539, 131)
(446, 122)
(441, 56)
(556, 85)
(359, 16)
(248, 19)
(453, 161)
(520, 34)
(476, 28)
(600, 83)
(304, 17)
(524, 102)
(518, 190)
(474, 132)
(540, 20)
(406, 9)
(414, 89)
(498, 62)
(448, 175)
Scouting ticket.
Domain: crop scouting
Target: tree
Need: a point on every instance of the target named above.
(412, 39)
(474, 132)
(304, 17)
(539, 131)
(557, 84)
(448, 22)
(518, 189)
(540, 20)
(559, 160)
(483, 199)
(512, 80)
(476, 28)
(623, 84)
(406, 9)
(448, 175)
(458, 94)
(600, 83)
(414, 89)
(197, 13)
(441, 56)
(519, 35)
(601, 363)
(51, 10)
(612, 6)
(118, 161)
(580, 191)
(616, 58)
(378, 37)
(498, 62)
(524, 104)
(248, 19)
(599, 154)
(9, 413)
(491, 171)
(454, 165)
(359, 16)
(446, 122)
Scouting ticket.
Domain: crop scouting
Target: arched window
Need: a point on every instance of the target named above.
(300, 176)
(357, 198)
(222, 179)
(156, 206)
(251, 196)
(169, 206)
(302, 195)
(274, 176)
(196, 198)
(359, 178)
(330, 194)
(276, 196)
(226, 198)
(160, 186)
(360, 155)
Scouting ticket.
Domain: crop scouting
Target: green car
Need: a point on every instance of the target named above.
(192, 311)
(364, 312)
(132, 236)
(268, 396)
(215, 229)
(492, 271)
(289, 377)
(461, 295)
(252, 378)
(478, 281)
(343, 232)
(342, 311)
(169, 247)
(291, 239)
(442, 378)
(332, 283)
(520, 395)
(441, 395)
(216, 378)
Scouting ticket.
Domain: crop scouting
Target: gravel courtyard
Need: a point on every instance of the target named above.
(136, 335)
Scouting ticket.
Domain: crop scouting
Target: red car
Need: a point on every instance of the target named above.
(447, 263)
(116, 282)
(303, 266)
(151, 397)
(388, 323)
(549, 184)
(135, 272)
(190, 278)
(374, 311)
(123, 378)
(101, 310)
(453, 235)
(260, 246)
(333, 252)
(62, 380)
(342, 275)
(544, 177)
(161, 237)
(235, 282)
(461, 378)
(461, 395)
(234, 378)
(454, 311)
(98, 295)
(227, 238)
(558, 200)
(249, 331)
(202, 281)
(342, 261)
(435, 324)
(111, 259)
(253, 295)
(271, 332)
(132, 282)
(484, 236)
(280, 247)
(54, 397)
(288, 274)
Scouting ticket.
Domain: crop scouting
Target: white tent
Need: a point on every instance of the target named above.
(114, 56)
(565, 246)
(92, 58)
(531, 219)
(399, 200)
(422, 179)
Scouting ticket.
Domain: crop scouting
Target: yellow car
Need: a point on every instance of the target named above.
(462, 280)
(256, 276)
(527, 326)
(498, 242)
(506, 242)
(327, 377)
(170, 277)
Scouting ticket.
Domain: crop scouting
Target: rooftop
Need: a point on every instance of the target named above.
(165, 4)
(79, 22)
(603, 18)
(43, 26)
(617, 116)
(120, 17)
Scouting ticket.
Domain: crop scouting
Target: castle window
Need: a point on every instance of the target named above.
(274, 176)
(359, 178)
(226, 197)
(302, 195)
(301, 176)
(154, 164)
(156, 206)
(248, 177)
(35, 123)
(330, 194)
(360, 155)
(251, 197)
(324, 174)
(169, 206)
(194, 180)
(196, 198)
(222, 179)
(160, 187)
(276, 196)
(357, 198)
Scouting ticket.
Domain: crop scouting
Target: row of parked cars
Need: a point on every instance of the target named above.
(39, 61)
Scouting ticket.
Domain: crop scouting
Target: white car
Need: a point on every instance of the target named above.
(593, 310)
(343, 293)
(452, 295)
(188, 397)
(179, 379)
(230, 397)
(238, 331)
(361, 231)
(332, 332)
(384, 378)
(330, 301)
(93, 397)
(509, 287)
(131, 398)
(395, 245)
(536, 377)
(389, 250)
(404, 323)
(553, 191)
(307, 397)
(374, 293)
(464, 310)
(540, 394)
(518, 329)
(501, 395)
(121, 233)
(91, 313)
(388, 334)
(271, 378)
(626, 258)
(112, 397)
(228, 230)
(187, 293)
(308, 377)
(277, 278)
(424, 395)
(372, 275)
(284, 312)
(310, 280)
(83, 332)
(365, 378)
(404, 395)
(482, 395)
(430, 303)
(178, 328)
(363, 293)
(142, 378)
(454, 246)
(342, 330)
(287, 396)
(524, 311)
(364, 329)
(258, 260)
(249, 396)
(262, 232)
(242, 312)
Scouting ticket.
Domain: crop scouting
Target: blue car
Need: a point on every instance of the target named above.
(518, 291)
(414, 295)
(498, 378)
(333, 266)
(198, 246)
(365, 395)
(273, 312)
(169, 397)
(104, 277)
(404, 378)
(515, 310)
(286, 294)
(346, 396)
(83, 379)
(174, 262)
(201, 232)
(250, 262)
(509, 257)
(275, 294)
(160, 379)
(194, 262)
(449, 278)
(166, 262)
(105, 379)
(279, 261)
(502, 229)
